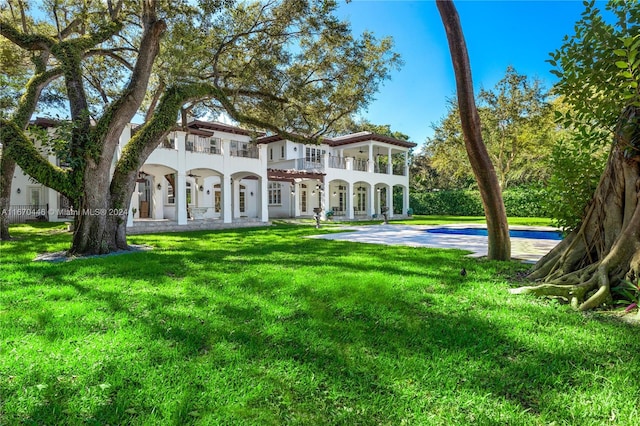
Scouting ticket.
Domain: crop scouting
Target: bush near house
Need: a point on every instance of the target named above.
(519, 202)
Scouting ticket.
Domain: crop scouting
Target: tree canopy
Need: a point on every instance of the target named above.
(517, 127)
(283, 66)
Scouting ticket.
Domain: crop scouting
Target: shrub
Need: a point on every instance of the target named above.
(519, 202)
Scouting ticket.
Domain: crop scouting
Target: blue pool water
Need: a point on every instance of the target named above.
(538, 235)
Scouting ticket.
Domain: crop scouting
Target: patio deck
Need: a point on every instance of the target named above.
(525, 249)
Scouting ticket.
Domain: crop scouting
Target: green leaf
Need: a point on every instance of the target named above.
(622, 64)
(626, 41)
(620, 52)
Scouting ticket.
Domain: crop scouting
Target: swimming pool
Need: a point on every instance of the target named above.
(514, 233)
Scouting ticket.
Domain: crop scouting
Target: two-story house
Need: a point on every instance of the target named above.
(215, 174)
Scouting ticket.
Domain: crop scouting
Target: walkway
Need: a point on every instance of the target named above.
(525, 249)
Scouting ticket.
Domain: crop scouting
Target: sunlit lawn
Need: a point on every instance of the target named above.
(265, 327)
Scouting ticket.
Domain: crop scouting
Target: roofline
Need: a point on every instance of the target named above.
(44, 122)
(221, 127)
(358, 137)
(350, 139)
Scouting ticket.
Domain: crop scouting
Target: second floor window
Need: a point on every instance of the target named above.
(314, 155)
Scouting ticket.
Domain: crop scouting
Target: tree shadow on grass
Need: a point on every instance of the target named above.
(343, 343)
(313, 348)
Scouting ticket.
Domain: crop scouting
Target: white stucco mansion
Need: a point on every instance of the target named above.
(215, 173)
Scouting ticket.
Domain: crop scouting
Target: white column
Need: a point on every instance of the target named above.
(326, 200)
(389, 165)
(235, 190)
(370, 165)
(372, 200)
(350, 198)
(321, 201)
(227, 188)
(405, 200)
(406, 163)
(52, 202)
(296, 199)
(263, 199)
(158, 197)
(389, 200)
(180, 190)
(180, 195)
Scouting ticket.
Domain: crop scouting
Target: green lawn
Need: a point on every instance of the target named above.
(264, 327)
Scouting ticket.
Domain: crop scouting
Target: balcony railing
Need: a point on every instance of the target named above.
(304, 164)
(337, 162)
(247, 152)
(360, 165)
(203, 145)
(168, 143)
(399, 170)
(380, 168)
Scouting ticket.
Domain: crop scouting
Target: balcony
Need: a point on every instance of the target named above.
(360, 165)
(203, 145)
(247, 152)
(337, 162)
(309, 165)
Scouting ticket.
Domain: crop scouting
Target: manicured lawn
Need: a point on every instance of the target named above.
(264, 327)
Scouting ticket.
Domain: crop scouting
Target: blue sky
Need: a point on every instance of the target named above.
(498, 34)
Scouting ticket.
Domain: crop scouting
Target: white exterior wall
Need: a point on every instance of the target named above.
(242, 178)
(379, 186)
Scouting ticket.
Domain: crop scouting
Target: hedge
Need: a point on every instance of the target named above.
(519, 202)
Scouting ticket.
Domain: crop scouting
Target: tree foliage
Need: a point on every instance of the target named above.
(517, 128)
(599, 70)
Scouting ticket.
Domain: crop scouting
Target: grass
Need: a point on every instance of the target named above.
(264, 327)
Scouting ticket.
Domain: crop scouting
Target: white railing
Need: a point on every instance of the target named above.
(247, 152)
(360, 165)
(304, 164)
(337, 162)
(203, 145)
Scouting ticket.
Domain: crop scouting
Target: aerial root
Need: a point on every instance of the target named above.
(574, 288)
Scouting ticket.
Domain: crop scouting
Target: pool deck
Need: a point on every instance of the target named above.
(525, 249)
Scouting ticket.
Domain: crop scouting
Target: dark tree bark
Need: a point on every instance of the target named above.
(497, 226)
(100, 216)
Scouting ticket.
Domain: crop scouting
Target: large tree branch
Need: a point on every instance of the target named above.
(30, 42)
(22, 150)
(111, 53)
(118, 114)
(29, 99)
